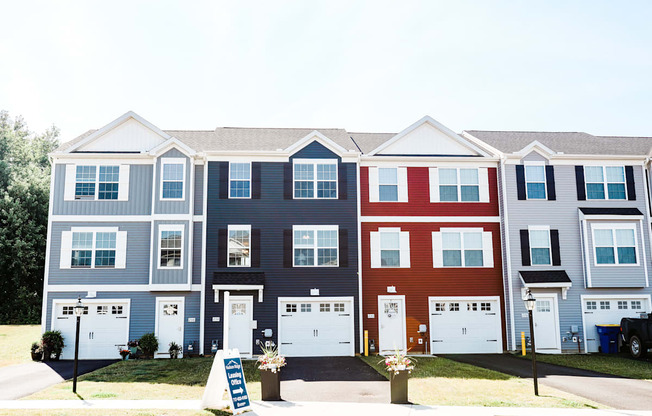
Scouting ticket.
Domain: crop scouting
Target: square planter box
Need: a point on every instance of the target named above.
(399, 387)
(270, 384)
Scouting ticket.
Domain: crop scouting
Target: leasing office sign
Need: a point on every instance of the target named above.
(226, 375)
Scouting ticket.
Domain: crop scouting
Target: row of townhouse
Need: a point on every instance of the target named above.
(427, 239)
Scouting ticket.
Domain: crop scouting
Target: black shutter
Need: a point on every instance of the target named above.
(520, 182)
(287, 248)
(579, 182)
(342, 181)
(344, 247)
(224, 180)
(550, 183)
(222, 247)
(255, 247)
(631, 185)
(287, 181)
(525, 248)
(255, 180)
(554, 242)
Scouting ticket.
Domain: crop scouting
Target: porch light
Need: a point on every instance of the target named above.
(79, 307)
(530, 302)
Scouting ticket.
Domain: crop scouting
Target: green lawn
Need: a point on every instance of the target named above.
(16, 342)
(439, 381)
(616, 364)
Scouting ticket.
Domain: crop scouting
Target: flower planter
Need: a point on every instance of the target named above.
(133, 351)
(270, 383)
(398, 382)
(37, 356)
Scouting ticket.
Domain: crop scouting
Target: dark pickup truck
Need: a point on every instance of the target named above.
(636, 334)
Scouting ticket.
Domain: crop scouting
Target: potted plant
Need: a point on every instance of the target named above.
(133, 347)
(148, 343)
(174, 350)
(399, 367)
(52, 342)
(269, 364)
(124, 353)
(37, 351)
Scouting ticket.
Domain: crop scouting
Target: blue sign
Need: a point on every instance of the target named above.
(236, 382)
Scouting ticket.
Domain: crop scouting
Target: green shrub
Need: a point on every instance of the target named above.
(52, 342)
(149, 344)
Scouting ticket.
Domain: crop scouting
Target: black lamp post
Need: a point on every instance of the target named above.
(530, 303)
(79, 311)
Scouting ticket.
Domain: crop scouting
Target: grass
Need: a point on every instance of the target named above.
(16, 342)
(439, 381)
(112, 412)
(616, 364)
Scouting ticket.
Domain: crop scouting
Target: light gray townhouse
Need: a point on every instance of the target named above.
(576, 232)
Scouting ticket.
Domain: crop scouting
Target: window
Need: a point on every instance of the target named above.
(535, 181)
(240, 180)
(90, 185)
(543, 306)
(93, 249)
(338, 307)
(116, 310)
(315, 178)
(440, 307)
(306, 307)
(68, 310)
(388, 184)
(462, 249)
(85, 182)
(614, 245)
(291, 307)
(173, 174)
(622, 304)
(105, 244)
(591, 305)
(108, 182)
(472, 306)
(171, 246)
(636, 304)
(390, 247)
(238, 309)
(324, 307)
(485, 306)
(239, 245)
(605, 305)
(82, 249)
(599, 177)
(540, 251)
(102, 309)
(458, 185)
(171, 309)
(390, 250)
(316, 245)
(454, 307)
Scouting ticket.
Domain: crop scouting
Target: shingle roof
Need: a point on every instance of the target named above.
(366, 142)
(577, 143)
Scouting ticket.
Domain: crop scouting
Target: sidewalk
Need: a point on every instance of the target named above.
(315, 408)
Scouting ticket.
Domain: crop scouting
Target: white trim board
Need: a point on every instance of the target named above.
(415, 218)
(120, 288)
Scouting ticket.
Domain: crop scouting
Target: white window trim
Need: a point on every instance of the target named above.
(614, 227)
(438, 250)
(170, 227)
(94, 248)
(404, 247)
(228, 233)
(397, 184)
(374, 185)
(483, 185)
(316, 162)
(123, 182)
(250, 182)
(545, 183)
(531, 228)
(315, 247)
(605, 182)
(173, 161)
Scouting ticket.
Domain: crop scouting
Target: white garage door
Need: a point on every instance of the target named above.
(104, 327)
(608, 310)
(315, 327)
(465, 325)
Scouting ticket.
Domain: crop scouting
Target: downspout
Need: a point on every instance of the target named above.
(46, 268)
(359, 225)
(508, 253)
(646, 175)
(202, 301)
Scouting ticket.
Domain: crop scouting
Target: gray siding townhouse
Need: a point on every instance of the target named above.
(576, 221)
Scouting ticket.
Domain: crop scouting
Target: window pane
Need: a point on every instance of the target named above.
(327, 257)
(594, 191)
(448, 193)
(172, 189)
(171, 258)
(452, 258)
(326, 189)
(470, 193)
(540, 256)
(626, 255)
(451, 241)
(304, 238)
(536, 190)
(85, 173)
(389, 241)
(239, 253)
(81, 258)
(469, 176)
(473, 241)
(603, 238)
(107, 191)
(105, 258)
(173, 172)
(326, 238)
(472, 258)
(616, 190)
(534, 173)
(304, 189)
(625, 238)
(388, 193)
(240, 171)
(304, 172)
(82, 240)
(109, 173)
(240, 189)
(593, 174)
(326, 172)
(389, 258)
(615, 174)
(604, 255)
(170, 239)
(105, 240)
(448, 176)
(84, 189)
(387, 176)
(304, 257)
(539, 238)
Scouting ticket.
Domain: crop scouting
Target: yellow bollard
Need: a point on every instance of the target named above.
(366, 343)
(523, 342)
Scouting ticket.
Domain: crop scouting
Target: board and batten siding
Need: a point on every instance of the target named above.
(167, 275)
(271, 214)
(562, 214)
(139, 202)
(199, 190)
(172, 207)
(197, 252)
(136, 271)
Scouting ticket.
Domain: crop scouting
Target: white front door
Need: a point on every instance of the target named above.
(609, 310)
(169, 324)
(546, 323)
(240, 324)
(391, 324)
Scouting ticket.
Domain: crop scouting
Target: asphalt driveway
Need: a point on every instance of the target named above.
(613, 391)
(21, 380)
(332, 379)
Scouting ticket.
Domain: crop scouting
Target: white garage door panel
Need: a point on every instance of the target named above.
(103, 328)
(316, 328)
(608, 310)
(465, 326)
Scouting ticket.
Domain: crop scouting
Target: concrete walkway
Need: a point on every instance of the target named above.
(21, 380)
(316, 408)
(613, 391)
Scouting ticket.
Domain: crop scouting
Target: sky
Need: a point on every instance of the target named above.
(373, 66)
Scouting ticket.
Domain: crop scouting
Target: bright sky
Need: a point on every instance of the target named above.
(364, 66)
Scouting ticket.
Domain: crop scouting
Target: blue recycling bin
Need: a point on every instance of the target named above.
(608, 338)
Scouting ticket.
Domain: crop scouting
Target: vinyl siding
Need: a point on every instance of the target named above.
(199, 190)
(172, 207)
(197, 253)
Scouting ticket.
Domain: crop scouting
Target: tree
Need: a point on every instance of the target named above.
(24, 194)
